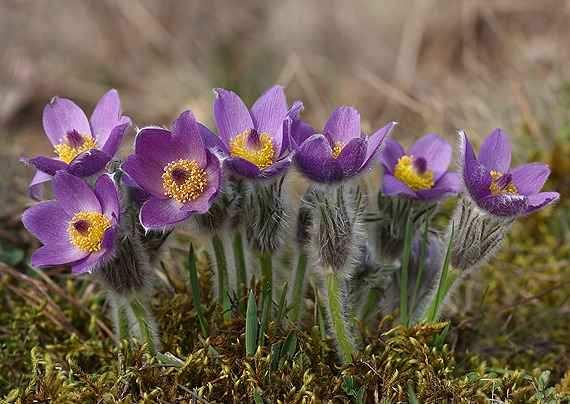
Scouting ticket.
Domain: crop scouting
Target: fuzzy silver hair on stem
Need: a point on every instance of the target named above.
(388, 226)
(478, 235)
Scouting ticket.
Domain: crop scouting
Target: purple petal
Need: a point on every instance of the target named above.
(56, 254)
(530, 178)
(47, 165)
(392, 186)
(88, 163)
(99, 258)
(157, 213)
(276, 168)
(269, 112)
(106, 116)
(35, 189)
(114, 140)
(476, 176)
(242, 167)
(61, 116)
(146, 173)
(376, 139)
(435, 150)
(541, 200)
(314, 159)
(212, 141)
(186, 137)
(352, 156)
(74, 195)
(343, 125)
(231, 115)
(159, 146)
(299, 132)
(47, 221)
(504, 205)
(495, 152)
(448, 184)
(106, 192)
(390, 154)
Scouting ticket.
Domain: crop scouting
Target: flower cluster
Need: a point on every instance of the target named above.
(107, 213)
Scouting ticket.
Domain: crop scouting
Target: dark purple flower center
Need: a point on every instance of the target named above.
(504, 181)
(179, 175)
(253, 139)
(74, 139)
(82, 226)
(420, 165)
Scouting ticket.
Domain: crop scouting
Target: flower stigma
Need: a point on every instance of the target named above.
(257, 148)
(414, 173)
(184, 180)
(86, 230)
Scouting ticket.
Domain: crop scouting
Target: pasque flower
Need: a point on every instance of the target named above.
(79, 227)
(341, 151)
(421, 172)
(83, 147)
(174, 166)
(498, 189)
(253, 138)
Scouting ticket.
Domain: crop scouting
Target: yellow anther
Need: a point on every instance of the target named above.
(497, 188)
(337, 148)
(260, 154)
(407, 173)
(67, 152)
(184, 180)
(86, 230)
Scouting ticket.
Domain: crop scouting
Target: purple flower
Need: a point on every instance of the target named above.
(421, 173)
(498, 189)
(79, 227)
(83, 147)
(253, 138)
(341, 151)
(181, 175)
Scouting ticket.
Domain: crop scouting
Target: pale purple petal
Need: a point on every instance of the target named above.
(392, 186)
(231, 115)
(276, 168)
(106, 192)
(435, 150)
(495, 152)
(146, 173)
(242, 167)
(352, 156)
(530, 178)
(62, 116)
(106, 116)
(343, 125)
(47, 221)
(88, 163)
(74, 195)
(35, 189)
(376, 139)
(114, 140)
(157, 213)
(449, 184)
(541, 200)
(476, 176)
(159, 146)
(269, 112)
(390, 154)
(212, 141)
(56, 254)
(47, 165)
(186, 137)
(299, 132)
(504, 205)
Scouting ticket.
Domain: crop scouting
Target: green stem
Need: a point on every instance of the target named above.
(371, 304)
(195, 290)
(298, 287)
(241, 271)
(341, 332)
(404, 313)
(423, 251)
(221, 264)
(266, 292)
(142, 318)
(123, 322)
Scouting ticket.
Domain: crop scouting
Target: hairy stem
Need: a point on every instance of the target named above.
(298, 287)
(222, 270)
(340, 327)
(241, 271)
(144, 322)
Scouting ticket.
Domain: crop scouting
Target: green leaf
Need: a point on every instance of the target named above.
(195, 290)
(251, 325)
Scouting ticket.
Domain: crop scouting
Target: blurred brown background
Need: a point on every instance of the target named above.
(429, 64)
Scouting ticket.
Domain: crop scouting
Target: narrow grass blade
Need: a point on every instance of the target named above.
(444, 282)
(195, 290)
(222, 266)
(282, 306)
(298, 287)
(422, 258)
(251, 325)
(241, 270)
(339, 325)
(408, 234)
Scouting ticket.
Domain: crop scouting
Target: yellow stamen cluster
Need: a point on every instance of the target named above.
(86, 230)
(261, 155)
(184, 180)
(67, 153)
(496, 189)
(337, 148)
(407, 173)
